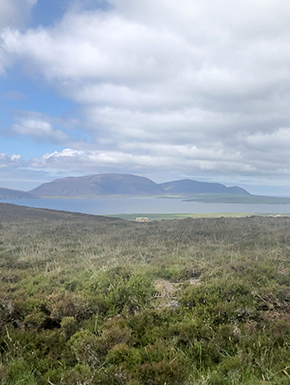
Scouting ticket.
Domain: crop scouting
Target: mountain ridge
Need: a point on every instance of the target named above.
(6, 193)
(99, 185)
(127, 184)
(109, 185)
(190, 186)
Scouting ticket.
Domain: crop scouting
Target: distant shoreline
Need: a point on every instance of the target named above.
(153, 208)
(247, 199)
(202, 198)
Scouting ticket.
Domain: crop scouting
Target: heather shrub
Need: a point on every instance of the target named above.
(107, 302)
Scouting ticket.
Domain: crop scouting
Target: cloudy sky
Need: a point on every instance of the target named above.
(167, 89)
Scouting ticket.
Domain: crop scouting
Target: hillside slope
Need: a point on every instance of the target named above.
(6, 193)
(18, 214)
(118, 185)
(99, 185)
(188, 186)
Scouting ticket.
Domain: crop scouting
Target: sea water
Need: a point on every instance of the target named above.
(111, 206)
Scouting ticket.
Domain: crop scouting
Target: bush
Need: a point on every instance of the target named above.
(163, 372)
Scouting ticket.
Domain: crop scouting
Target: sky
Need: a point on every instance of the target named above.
(167, 89)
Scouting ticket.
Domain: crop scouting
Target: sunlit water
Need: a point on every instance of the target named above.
(146, 206)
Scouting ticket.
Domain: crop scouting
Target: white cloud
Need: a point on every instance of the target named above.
(14, 13)
(15, 173)
(171, 160)
(36, 126)
(78, 160)
(200, 87)
(9, 161)
(279, 139)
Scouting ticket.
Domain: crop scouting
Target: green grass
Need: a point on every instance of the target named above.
(242, 199)
(96, 300)
(158, 217)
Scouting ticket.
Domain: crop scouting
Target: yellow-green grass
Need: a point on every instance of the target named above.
(160, 216)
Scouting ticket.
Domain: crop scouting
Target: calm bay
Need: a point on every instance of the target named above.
(112, 206)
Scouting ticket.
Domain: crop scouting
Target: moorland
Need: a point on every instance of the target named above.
(97, 300)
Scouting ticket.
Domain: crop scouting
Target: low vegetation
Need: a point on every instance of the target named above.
(91, 300)
(158, 217)
(239, 199)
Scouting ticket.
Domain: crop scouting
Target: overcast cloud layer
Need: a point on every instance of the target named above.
(163, 88)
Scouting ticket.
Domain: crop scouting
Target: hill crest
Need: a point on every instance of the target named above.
(109, 185)
(6, 193)
(189, 186)
(100, 185)
(127, 185)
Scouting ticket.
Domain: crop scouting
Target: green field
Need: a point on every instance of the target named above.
(88, 300)
(238, 199)
(158, 217)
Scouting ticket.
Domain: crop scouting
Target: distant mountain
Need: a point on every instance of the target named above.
(99, 185)
(6, 193)
(125, 184)
(188, 186)
(119, 184)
